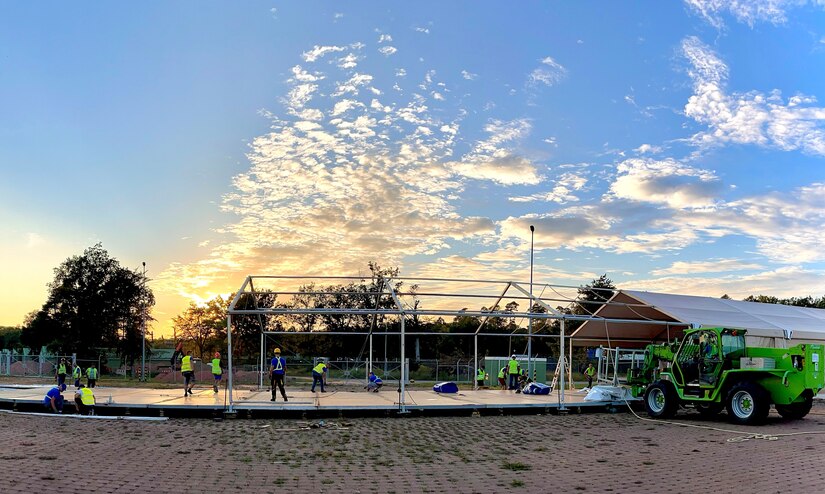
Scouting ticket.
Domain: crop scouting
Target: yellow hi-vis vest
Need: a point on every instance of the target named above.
(87, 397)
(216, 366)
(61, 369)
(76, 372)
(513, 366)
(501, 373)
(186, 364)
(320, 368)
(480, 375)
(91, 373)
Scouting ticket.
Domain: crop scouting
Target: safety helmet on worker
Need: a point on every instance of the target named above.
(277, 350)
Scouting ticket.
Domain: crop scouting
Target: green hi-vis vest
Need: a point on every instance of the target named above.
(87, 397)
(513, 366)
(77, 373)
(186, 364)
(480, 375)
(216, 366)
(61, 369)
(501, 373)
(320, 368)
(91, 373)
(590, 371)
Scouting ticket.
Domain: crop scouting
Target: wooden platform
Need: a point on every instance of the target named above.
(302, 402)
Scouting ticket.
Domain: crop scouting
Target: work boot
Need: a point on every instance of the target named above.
(272, 399)
(285, 400)
(215, 387)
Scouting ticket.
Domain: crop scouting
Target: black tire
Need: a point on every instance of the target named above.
(748, 403)
(796, 411)
(661, 400)
(709, 410)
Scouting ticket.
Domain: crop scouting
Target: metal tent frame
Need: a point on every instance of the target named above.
(452, 290)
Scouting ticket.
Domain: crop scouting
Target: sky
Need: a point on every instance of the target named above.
(675, 146)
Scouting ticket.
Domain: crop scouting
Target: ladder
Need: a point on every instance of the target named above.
(559, 367)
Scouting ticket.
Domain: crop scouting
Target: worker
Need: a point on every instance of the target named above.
(188, 375)
(216, 371)
(374, 382)
(91, 376)
(589, 373)
(61, 372)
(277, 373)
(53, 401)
(502, 377)
(319, 374)
(481, 374)
(514, 369)
(523, 381)
(76, 374)
(84, 401)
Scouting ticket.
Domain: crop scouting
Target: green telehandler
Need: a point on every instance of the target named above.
(711, 369)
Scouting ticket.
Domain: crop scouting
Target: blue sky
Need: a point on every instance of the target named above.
(675, 146)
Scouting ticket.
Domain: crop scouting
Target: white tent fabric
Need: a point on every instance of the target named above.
(767, 324)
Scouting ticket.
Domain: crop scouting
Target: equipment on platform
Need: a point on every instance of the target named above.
(446, 387)
(712, 369)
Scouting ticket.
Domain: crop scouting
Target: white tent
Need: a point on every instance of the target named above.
(769, 325)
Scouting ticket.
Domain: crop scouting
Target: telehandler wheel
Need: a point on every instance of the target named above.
(796, 411)
(661, 400)
(748, 403)
(709, 409)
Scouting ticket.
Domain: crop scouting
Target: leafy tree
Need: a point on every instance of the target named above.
(93, 303)
(204, 326)
(10, 337)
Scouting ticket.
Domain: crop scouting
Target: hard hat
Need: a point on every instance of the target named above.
(514, 356)
(277, 350)
(217, 354)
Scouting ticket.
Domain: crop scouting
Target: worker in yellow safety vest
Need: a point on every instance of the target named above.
(188, 375)
(61, 372)
(84, 401)
(514, 369)
(502, 379)
(319, 374)
(91, 376)
(77, 374)
(481, 374)
(216, 371)
(588, 373)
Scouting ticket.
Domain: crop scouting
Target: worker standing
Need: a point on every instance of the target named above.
(481, 374)
(277, 372)
(319, 374)
(216, 371)
(61, 372)
(84, 401)
(91, 376)
(188, 375)
(502, 379)
(77, 374)
(588, 373)
(513, 368)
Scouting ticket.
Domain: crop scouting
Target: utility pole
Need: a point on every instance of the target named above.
(143, 324)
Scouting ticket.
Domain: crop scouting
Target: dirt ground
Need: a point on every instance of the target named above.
(531, 453)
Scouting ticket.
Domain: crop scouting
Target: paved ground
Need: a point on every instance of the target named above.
(587, 453)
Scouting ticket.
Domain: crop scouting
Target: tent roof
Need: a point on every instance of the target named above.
(768, 320)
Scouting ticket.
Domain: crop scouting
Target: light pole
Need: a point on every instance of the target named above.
(143, 325)
(530, 309)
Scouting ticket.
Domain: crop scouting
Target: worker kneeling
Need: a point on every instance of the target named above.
(84, 401)
(374, 383)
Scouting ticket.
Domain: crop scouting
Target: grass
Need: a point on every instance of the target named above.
(516, 466)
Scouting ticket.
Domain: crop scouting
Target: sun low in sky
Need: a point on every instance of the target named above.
(677, 147)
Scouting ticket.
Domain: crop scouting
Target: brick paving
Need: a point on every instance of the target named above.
(529, 453)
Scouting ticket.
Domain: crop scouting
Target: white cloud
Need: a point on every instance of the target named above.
(748, 118)
(549, 74)
(748, 12)
(348, 62)
(468, 75)
(665, 182)
(422, 30)
(387, 50)
(562, 191)
(648, 149)
(384, 38)
(710, 266)
(319, 51)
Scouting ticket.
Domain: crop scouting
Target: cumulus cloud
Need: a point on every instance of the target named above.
(387, 50)
(665, 182)
(748, 118)
(562, 192)
(710, 266)
(494, 158)
(468, 75)
(319, 51)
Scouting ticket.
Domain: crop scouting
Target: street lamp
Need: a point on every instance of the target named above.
(143, 325)
(530, 309)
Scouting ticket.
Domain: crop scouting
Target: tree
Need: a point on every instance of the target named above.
(93, 303)
(204, 326)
